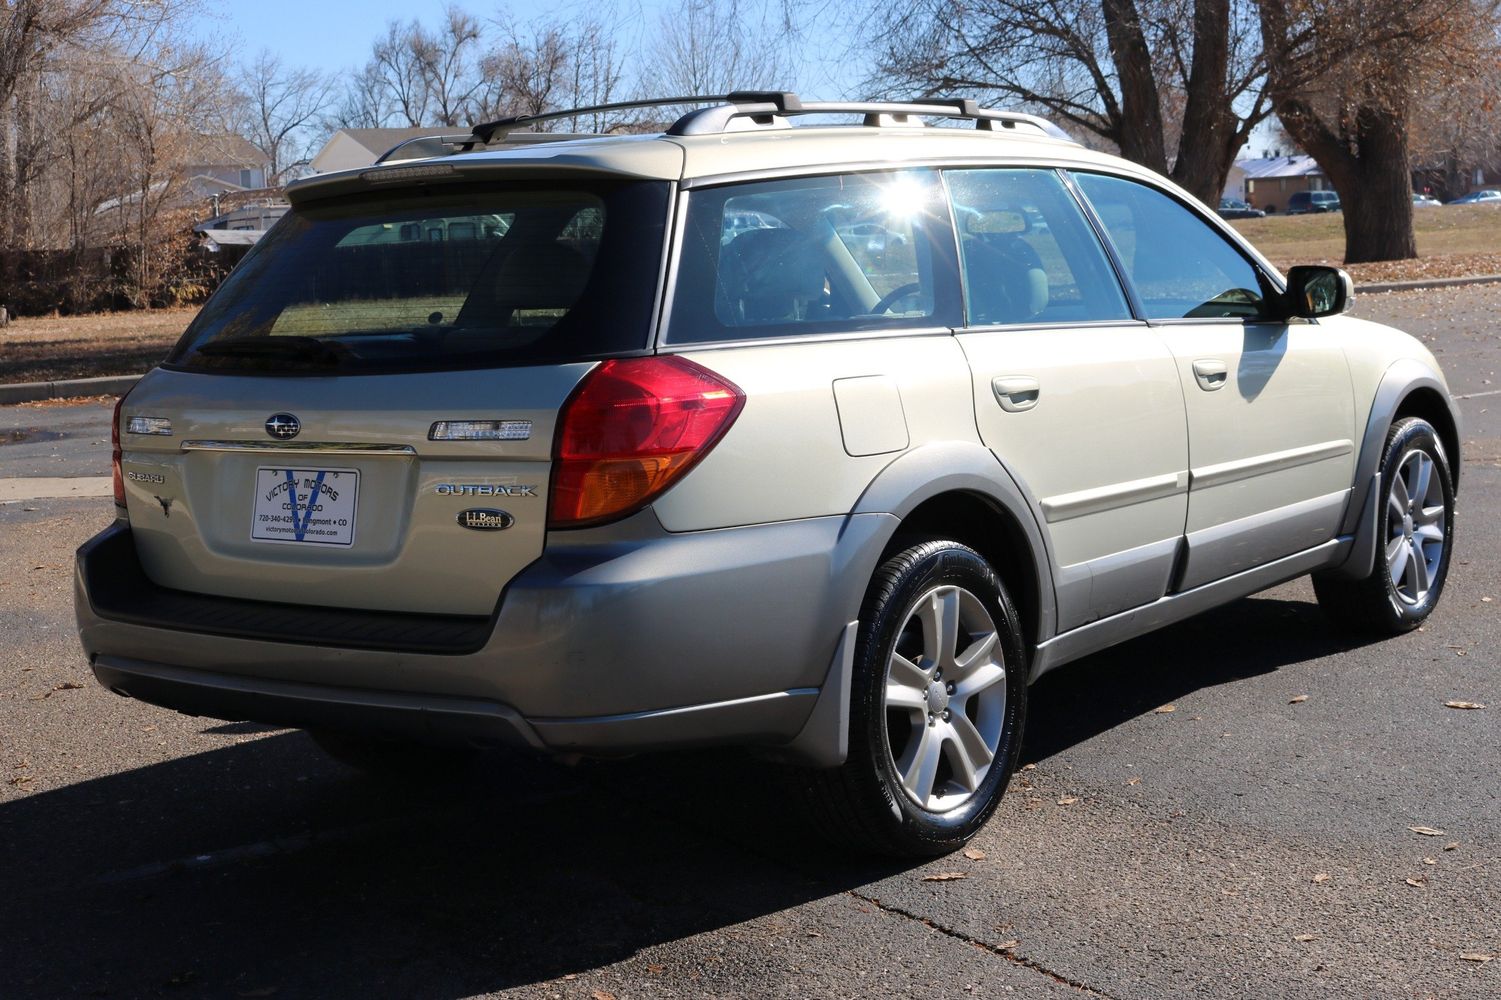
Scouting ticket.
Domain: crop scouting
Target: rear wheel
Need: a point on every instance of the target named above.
(937, 705)
(1415, 535)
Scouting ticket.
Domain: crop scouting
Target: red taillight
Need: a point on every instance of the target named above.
(632, 428)
(114, 444)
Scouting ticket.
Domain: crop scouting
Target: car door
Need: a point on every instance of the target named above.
(1079, 399)
(1271, 420)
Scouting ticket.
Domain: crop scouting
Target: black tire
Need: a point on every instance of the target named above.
(392, 759)
(1376, 604)
(863, 804)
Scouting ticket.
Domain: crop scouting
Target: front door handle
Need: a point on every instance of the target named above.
(1016, 393)
(1211, 373)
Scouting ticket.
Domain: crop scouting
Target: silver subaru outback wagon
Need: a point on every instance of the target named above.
(811, 428)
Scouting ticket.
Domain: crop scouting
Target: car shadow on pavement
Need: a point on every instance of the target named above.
(1243, 639)
(264, 866)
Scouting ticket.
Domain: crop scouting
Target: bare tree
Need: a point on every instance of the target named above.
(34, 32)
(277, 108)
(1171, 84)
(446, 60)
(716, 46)
(1343, 75)
(162, 108)
(397, 65)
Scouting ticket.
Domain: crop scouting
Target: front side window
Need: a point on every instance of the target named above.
(1027, 253)
(461, 277)
(814, 255)
(1179, 265)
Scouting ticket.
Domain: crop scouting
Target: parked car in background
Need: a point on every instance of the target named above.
(1234, 208)
(1487, 197)
(1312, 202)
(1424, 200)
(606, 481)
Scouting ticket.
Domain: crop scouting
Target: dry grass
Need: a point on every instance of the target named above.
(1453, 241)
(60, 347)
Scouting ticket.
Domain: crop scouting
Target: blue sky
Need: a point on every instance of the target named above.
(339, 35)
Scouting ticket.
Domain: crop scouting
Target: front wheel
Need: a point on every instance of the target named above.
(1415, 536)
(937, 706)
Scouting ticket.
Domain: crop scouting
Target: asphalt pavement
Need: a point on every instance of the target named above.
(1257, 840)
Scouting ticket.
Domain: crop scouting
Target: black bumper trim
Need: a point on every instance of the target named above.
(119, 590)
(426, 718)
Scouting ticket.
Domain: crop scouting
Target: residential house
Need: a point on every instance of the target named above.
(1272, 180)
(349, 148)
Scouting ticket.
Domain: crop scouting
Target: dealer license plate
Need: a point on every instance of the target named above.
(310, 506)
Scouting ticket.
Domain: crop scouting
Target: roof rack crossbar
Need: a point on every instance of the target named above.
(713, 120)
(486, 132)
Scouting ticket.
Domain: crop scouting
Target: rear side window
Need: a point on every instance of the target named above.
(1027, 253)
(478, 276)
(1180, 266)
(814, 255)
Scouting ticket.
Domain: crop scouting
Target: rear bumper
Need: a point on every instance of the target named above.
(616, 640)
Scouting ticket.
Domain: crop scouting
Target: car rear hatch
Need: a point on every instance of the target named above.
(363, 415)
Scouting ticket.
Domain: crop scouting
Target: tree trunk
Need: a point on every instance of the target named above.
(1209, 141)
(1378, 205)
(7, 174)
(1140, 132)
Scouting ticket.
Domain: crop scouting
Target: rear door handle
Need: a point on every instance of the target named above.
(1016, 393)
(1211, 373)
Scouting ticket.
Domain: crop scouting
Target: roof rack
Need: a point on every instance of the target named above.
(760, 106)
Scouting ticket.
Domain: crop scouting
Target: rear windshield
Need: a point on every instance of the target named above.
(478, 276)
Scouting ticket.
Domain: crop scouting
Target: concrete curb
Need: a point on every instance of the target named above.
(1377, 287)
(30, 392)
(115, 385)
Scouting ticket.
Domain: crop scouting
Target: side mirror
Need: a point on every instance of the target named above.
(1314, 290)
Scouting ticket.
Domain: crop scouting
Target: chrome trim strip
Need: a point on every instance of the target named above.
(314, 447)
(1066, 506)
(660, 713)
(1260, 465)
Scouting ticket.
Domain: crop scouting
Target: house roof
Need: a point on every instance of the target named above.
(1279, 166)
(358, 147)
(223, 151)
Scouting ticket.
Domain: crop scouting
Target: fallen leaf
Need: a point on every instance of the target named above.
(1007, 945)
(974, 854)
(1475, 956)
(944, 876)
(1297, 698)
(1321, 878)
(1452, 847)
(1068, 800)
(1463, 704)
(1415, 883)
(1429, 861)
(1133, 781)
(21, 780)
(1305, 937)
(1029, 767)
(654, 968)
(1165, 709)
(1485, 600)
(814, 934)
(68, 686)
(1426, 831)
(601, 995)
